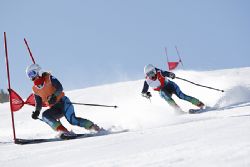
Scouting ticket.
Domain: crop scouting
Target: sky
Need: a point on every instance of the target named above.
(93, 42)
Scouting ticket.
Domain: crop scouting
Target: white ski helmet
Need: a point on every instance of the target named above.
(149, 70)
(33, 71)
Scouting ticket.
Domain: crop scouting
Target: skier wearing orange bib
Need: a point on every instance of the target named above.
(49, 91)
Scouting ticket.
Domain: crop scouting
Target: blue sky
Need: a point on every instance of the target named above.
(92, 42)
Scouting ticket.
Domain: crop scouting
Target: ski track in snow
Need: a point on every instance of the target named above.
(157, 136)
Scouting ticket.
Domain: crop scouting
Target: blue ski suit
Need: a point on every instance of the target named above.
(166, 88)
(62, 107)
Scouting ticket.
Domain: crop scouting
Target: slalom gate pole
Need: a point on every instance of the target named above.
(26, 43)
(97, 105)
(166, 52)
(8, 75)
(179, 55)
(199, 84)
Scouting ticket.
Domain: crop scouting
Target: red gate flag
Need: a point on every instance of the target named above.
(31, 100)
(17, 102)
(172, 65)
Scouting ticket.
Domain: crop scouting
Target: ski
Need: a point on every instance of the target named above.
(64, 138)
(198, 111)
(74, 136)
(33, 141)
(43, 140)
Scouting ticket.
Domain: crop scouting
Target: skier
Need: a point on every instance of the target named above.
(49, 91)
(157, 79)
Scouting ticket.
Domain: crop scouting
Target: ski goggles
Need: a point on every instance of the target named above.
(32, 75)
(151, 74)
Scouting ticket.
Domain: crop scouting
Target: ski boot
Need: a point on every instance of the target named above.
(99, 130)
(95, 127)
(64, 133)
(201, 105)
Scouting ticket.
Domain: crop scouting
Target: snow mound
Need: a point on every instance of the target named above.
(156, 137)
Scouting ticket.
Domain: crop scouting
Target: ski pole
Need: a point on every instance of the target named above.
(97, 105)
(199, 84)
(40, 119)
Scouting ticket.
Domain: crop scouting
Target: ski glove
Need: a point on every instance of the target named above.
(52, 99)
(35, 114)
(147, 95)
(172, 75)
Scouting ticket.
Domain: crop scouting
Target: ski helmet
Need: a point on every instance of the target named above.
(33, 71)
(149, 70)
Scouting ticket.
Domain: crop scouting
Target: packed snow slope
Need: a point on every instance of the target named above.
(157, 136)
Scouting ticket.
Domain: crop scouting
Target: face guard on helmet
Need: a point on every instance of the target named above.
(33, 71)
(150, 71)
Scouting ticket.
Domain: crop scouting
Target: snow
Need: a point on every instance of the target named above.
(157, 135)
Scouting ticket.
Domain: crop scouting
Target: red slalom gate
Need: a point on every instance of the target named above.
(9, 86)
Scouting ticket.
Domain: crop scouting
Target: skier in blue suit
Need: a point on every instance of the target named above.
(49, 91)
(158, 80)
